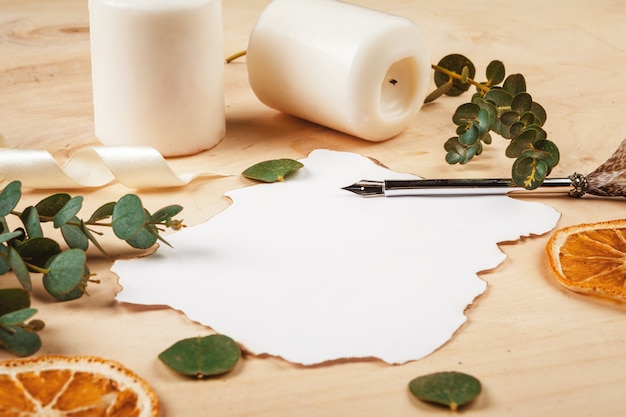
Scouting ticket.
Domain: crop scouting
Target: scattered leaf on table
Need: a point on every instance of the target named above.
(273, 170)
(453, 389)
(202, 356)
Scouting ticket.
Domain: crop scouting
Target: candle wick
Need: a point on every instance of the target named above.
(393, 81)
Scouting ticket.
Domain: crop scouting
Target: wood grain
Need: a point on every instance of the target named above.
(538, 349)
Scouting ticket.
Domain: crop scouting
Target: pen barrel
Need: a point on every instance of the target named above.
(487, 186)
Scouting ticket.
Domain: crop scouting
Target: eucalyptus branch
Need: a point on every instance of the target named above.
(506, 109)
(65, 273)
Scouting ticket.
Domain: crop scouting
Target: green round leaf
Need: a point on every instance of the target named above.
(540, 113)
(455, 63)
(522, 102)
(509, 117)
(143, 239)
(69, 211)
(65, 271)
(30, 218)
(102, 212)
(550, 148)
(529, 172)
(5, 237)
(495, 72)
(166, 213)
(9, 197)
(202, 356)
(453, 157)
(272, 171)
(465, 113)
(13, 299)
(74, 294)
(128, 216)
(38, 251)
(20, 341)
(17, 265)
(520, 143)
(470, 137)
(50, 206)
(17, 317)
(74, 235)
(499, 97)
(452, 389)
(514, 84)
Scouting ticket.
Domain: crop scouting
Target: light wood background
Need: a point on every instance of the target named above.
(538, 349)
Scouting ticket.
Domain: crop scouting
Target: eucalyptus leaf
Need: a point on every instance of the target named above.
(19, 341)
(128, 216)
(529, 172)
(17, 317)
(514, 84)
(522, 102)
(539, 112)
(4, 263)
(30, 218)
(74, 294)
(69, 211)
(144, 238)
(38, 251)
(520, 143)
(465, 113)
(499, 97)
(455, 63)
(13, 299)
(452, 389)
(74, 235)
(9, 197)
(51, 205)
(202, 356)
(549, 147)
(5, 237)
(103, 212)
(470, 137)
(272, 170)
(166, 213)
(495, 72)
(65, 271)
(17, 265)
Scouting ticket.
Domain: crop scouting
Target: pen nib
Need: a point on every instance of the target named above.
(366, 188)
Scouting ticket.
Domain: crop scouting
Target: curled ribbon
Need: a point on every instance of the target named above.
(93, 166)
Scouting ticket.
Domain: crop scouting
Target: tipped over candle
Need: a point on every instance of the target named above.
(353, 69)
(157, 69)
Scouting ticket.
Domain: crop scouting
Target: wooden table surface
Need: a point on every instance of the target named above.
(537, 348)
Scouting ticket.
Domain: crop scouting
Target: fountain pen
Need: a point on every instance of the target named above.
(451, 187)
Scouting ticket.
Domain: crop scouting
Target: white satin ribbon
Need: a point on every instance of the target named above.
(93, 166)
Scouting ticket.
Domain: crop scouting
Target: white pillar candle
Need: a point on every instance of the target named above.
(353, 69)
(157, 72)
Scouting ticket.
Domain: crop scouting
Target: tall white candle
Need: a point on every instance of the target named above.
(353, 69)
(157, 71)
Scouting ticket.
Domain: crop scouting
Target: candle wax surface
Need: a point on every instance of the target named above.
(157, 70)
(353, 69)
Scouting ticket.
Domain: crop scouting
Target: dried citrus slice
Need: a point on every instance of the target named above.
(77, 386)
(591, 258)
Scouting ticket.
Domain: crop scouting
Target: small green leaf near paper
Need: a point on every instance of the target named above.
(273, 170)
(202, 356)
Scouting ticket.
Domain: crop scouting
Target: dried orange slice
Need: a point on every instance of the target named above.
(77, 386)
(591, 258)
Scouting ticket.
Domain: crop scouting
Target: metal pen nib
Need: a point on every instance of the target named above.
(442, 187)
